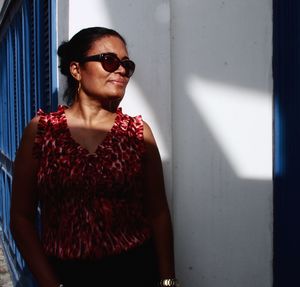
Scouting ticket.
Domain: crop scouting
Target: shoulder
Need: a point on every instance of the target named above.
(151, 148)
(31, 128)
(37, 126)
(27, 141)
(148, 134)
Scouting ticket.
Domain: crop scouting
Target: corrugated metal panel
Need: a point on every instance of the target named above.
(27, 82)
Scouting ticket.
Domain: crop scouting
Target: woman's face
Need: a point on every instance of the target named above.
(97, 82)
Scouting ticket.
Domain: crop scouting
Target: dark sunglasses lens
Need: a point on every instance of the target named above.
(129, 67)
(110, 63)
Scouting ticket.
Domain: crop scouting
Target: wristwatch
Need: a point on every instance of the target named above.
(173, 282)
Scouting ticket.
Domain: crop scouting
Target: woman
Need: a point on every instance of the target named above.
(97, 175)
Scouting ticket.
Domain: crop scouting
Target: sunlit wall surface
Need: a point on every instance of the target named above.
(204, 84)
(222, 141)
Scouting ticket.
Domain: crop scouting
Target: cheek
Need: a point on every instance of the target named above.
(93, 79)
(92, 86)
(93, 73)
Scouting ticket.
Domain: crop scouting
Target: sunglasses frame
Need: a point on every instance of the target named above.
(101, 58)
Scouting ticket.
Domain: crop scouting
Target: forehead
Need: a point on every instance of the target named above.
(109, 44)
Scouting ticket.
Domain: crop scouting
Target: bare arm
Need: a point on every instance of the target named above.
(23, 210)
(157, 205)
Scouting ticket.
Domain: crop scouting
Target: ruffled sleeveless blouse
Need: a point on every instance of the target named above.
(91, 203)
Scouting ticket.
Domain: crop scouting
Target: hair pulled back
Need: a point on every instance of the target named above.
(75, 49)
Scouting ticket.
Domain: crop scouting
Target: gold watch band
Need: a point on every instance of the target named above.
(170, 282)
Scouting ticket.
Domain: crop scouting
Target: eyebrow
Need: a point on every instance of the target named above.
(124, 58)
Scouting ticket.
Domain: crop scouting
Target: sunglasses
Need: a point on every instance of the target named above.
(110, 63)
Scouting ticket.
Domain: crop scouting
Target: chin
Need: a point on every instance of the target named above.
(116, 98)
(117, 94)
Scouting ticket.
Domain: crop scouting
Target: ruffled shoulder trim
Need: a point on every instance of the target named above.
(138, 126)
(46, 116)
(134, 126)
(45, 121)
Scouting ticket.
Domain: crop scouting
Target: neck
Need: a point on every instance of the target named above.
(91, 111)
(109, 104)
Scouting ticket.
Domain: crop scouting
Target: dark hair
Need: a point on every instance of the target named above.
(75, 49)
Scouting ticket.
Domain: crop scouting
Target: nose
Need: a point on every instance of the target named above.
(121, 70)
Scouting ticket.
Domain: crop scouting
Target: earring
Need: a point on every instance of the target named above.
(78, 89)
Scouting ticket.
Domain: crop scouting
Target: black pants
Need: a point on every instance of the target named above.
(134, 268)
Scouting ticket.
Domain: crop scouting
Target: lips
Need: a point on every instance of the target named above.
(118, 82)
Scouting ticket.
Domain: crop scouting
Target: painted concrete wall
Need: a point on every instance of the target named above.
(222, 141)
(204, 84)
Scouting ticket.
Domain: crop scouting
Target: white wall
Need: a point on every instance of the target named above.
(222, 141)
(204, 84)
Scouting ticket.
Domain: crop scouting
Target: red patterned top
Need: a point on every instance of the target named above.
(91, 204)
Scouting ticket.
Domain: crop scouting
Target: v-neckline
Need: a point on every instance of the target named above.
(101, 143)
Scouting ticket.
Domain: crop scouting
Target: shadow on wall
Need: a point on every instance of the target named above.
(222, 220)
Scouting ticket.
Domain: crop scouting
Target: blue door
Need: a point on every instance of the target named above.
(27, 82)
(286, 142)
